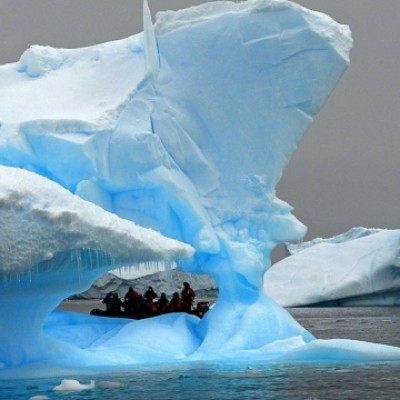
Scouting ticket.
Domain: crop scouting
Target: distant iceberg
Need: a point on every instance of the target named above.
(358, 268)
(142, 276)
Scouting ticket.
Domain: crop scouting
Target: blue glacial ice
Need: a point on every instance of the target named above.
(357, 268)
(184, 130)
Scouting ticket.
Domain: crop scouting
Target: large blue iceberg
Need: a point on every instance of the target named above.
(184, 130)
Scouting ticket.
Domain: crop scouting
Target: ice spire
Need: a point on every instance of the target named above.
(150, 43)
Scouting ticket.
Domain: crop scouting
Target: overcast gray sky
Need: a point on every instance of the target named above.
(346, 171)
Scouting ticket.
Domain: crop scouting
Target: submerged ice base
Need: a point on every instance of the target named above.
(185, 129)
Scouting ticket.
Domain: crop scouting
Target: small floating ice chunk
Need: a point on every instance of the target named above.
(72, 385)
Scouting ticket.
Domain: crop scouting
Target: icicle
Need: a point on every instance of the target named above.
(150, 43)
(75, 256)
(91, 261)
(168, 268)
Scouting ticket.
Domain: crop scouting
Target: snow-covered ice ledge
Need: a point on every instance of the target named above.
(54, 244)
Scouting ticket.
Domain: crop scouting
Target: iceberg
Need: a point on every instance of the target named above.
(183, 130)
(357, 268)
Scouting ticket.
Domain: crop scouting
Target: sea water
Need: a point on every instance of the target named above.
(226, 380)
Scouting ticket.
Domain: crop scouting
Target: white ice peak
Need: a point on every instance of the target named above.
(150, 43)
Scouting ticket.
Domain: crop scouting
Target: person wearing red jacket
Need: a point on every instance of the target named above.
(187, 296)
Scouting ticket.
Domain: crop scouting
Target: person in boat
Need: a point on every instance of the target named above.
(150, 295)
(113, 303)
(175, 303)
(158, 306)
(162, 304)
(187, 296)
(132, 301)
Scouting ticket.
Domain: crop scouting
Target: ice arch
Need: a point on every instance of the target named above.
(53, 244)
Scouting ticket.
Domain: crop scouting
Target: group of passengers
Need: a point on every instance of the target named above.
(134, 303)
